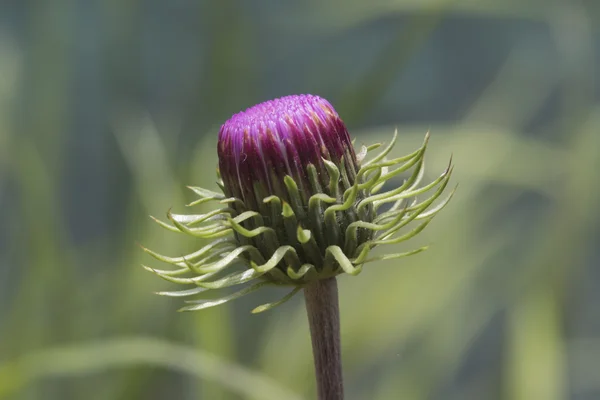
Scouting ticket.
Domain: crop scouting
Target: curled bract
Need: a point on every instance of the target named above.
(297, 203)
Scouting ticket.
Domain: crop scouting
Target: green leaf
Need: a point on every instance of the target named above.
(133, 353)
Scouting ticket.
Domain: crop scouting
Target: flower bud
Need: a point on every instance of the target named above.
(298, 203)
(282, 148)
(280, 138)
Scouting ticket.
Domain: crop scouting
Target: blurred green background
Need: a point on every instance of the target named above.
(108, 108)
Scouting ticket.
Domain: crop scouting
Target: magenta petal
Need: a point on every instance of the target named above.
(277, 138)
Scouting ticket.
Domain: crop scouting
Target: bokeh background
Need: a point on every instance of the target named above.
(108, 108)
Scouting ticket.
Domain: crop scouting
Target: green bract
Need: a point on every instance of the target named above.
(296, 236)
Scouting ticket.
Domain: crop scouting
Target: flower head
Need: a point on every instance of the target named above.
(281, 138)
(298, 203)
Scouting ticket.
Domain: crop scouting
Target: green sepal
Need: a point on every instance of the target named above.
(202, 304)
(233, 279)
(396, 255)
(406, 236)
(284, 251)
(295, 197)
(180, 261)
(269, 306)
(294, 232)
(304, 270)
(183, 293)
(309, 245)
(343, 261)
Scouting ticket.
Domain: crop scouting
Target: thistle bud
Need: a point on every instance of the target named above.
(279, 151)
(280, 138)
(298, 203)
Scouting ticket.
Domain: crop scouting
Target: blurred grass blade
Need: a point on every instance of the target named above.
(77, 360)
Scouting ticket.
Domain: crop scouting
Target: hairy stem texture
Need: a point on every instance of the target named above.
(324, 319)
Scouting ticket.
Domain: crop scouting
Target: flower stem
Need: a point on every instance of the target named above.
(324, 319)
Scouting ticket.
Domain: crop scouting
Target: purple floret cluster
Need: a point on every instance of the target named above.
(280, 137)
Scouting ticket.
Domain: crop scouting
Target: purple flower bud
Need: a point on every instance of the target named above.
(281, 138)
(298, 203)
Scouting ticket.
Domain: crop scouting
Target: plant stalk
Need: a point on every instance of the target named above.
(323, 311)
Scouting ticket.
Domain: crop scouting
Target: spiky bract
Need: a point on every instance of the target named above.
(298, 205)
